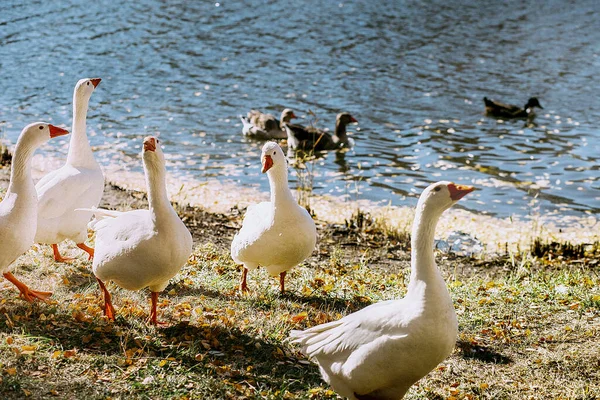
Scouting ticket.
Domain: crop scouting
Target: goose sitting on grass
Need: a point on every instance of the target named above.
(501, 110)
(18, 209)
(277, 234)
(380, 351)
(141, 248)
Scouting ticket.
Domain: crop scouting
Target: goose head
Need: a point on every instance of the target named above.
(272, 158)
(152, 152)
(344, 119)
(287, 115)
(533, 102)
(38, 133)
(85, 87)
(440, 196)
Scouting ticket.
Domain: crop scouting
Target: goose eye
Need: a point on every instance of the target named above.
(437, 189)
(41, 127)
(88, 83)
(273, 153)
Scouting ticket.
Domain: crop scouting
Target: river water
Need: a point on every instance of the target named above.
(412, 73)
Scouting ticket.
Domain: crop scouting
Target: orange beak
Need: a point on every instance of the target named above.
(457, 192)
(95, 81)
(352, 119)
(149, 144)
(56, 131)
(267, 163)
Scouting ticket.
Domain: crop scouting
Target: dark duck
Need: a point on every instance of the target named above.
(308, 138)
(497, 109)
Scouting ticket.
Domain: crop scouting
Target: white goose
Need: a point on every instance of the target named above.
(79, 183)
(379, 352)
(18, 209)
(265, 126)
(278, 234)
(141, 248)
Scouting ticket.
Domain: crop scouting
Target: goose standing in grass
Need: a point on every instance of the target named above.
(277, 234)
(265, 126)
(79, 183)
(380, 351)
(18, 209)
(497, 109)
(306, 139)
(141, 248)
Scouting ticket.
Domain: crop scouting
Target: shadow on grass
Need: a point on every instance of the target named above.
(195, 291)
(482, 353)
(211, 349)
(329, 303)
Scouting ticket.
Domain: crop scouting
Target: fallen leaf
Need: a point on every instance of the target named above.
(70, 353)
(299, 317)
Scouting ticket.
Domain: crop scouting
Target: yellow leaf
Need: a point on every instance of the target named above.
(162, 363)
(56, 354)
(11, 371)
(9, 340)
(26, 392)
(484, 386)
(299, 317)
(28, 348)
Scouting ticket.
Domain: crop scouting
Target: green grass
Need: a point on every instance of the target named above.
(529, 329)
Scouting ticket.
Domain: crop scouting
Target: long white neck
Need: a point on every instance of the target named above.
(422, 263)
(158, 200)
(280, 190)
(21, 182)
(80, 152)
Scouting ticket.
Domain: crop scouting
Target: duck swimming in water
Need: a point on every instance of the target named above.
(497, 109)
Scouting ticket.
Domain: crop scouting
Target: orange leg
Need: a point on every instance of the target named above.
(87, 249)
(109, 310)
(25, 292)
(58, 257)
(282, 281)
(153, 312)
(243, 284)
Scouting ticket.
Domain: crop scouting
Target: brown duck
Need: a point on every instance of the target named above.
(308, 138)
